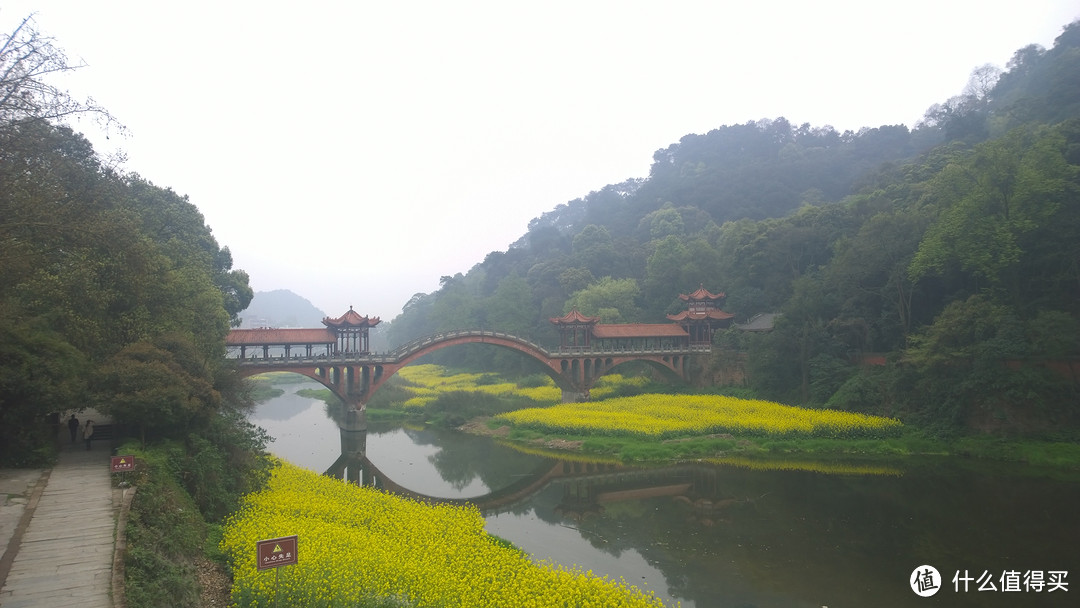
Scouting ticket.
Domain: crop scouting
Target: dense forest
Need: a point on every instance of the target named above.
(115, 293)
(950, 251)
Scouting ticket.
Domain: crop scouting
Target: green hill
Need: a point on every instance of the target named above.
(950, 249)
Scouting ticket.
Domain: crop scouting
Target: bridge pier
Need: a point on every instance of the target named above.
(354, 449)
(575, 396)
(350, 464)
(354, 418)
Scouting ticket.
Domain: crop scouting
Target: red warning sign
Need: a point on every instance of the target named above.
(119, 464)
(276, 552)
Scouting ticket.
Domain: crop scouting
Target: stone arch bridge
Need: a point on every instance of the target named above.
(355, 376)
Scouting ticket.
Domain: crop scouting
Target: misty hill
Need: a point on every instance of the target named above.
(280, 308)
(948, 247)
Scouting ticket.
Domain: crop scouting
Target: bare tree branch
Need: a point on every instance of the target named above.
(27, 59)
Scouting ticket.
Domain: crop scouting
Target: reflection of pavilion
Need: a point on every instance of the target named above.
(586, 486)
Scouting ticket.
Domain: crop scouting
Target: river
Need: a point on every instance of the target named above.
(718, 535)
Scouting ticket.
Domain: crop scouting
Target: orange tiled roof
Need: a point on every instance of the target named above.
(573, 317)
(639, 330)
(351, 319)
(702, 294)
(274, 337)
(716, 314)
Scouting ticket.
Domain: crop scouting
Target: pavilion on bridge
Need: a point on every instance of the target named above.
(691, 327)
(702, 316)
(343, 336)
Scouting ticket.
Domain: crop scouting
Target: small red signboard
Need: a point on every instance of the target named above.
(276, 552)
(119, 464)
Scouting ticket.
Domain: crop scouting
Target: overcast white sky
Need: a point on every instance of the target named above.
(354, 152)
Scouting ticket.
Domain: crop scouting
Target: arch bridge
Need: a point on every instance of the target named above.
(355, 376)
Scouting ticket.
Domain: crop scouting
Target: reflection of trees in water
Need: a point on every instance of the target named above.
(765, 538)
(735, 536)
(463, 458)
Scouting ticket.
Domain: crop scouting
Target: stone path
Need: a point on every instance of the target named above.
(60, 552)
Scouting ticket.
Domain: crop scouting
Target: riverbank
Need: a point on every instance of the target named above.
(445, 391)
(911, 442)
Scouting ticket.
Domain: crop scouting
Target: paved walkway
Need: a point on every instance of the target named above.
(58, 530)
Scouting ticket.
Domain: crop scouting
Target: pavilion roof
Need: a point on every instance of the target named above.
(638, 330)
(702, 294)
(715, 314)
(351, 319)
(274, 337)
(574, 317)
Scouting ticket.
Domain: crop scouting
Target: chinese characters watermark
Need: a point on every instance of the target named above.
(926, 581)
(1036, 581)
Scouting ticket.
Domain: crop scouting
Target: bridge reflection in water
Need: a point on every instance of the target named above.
(586, 486)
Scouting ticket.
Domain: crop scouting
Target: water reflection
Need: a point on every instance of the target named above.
(586, 487)
(708, 534)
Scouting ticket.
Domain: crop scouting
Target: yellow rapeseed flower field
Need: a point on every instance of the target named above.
(426, 382)
(654, 415)
(359, 546)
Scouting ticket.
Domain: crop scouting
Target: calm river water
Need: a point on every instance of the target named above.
(729, 536)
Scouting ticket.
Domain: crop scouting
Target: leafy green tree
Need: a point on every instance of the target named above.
(663, 222)
(575, 279)
(990, 204)
(512, 308)
(613, 300)
(870, 272)
(163, 389)
(594, 250)
(664, 279)
(41, 375)
(180, 232)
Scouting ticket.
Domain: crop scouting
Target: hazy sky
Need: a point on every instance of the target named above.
(356, 151)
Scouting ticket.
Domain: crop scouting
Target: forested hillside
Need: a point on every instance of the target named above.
(115, 294)
(951, 249)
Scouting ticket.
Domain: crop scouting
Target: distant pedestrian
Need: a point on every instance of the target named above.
(88, 432)
(73, 427)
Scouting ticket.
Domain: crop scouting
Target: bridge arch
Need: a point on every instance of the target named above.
(412, 351)
(324, 375)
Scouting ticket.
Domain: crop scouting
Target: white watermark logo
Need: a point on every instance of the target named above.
(925, 581)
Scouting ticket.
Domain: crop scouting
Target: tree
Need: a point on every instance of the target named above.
(989, 205)
(870, 272)
(27, 60)
(613, 300)
(164, 389)
(594, 250)
(982, 81)
(511, 308)
(665, 221)
(40, 374)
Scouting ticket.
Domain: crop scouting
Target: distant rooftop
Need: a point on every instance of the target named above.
(760, 322)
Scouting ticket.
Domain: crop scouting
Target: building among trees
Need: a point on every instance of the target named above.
(693, 326)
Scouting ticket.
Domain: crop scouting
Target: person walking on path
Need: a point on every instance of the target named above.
(88, 432)
(73, 427)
